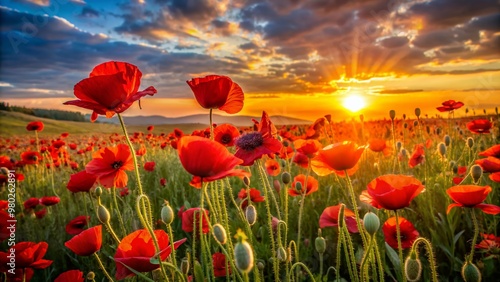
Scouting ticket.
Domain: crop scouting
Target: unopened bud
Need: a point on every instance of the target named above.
(261, 265)
(98, 192)
(167, 214)
(103, 214)
(281, 254)
(399, 145)
(286, 177)
(91, 276)
(298, 187)
(470, 273)
(198, 271)
(470, 142)
(185, 265)
(277, 185)
(442, 149)
(405, 125)
(447, 140)
(415, 123)
(320, 243)
(417, 112)
(251, 214)
(476, 172)
(243, 254)
(220, 233)
(371, 222)
(413, 268)
(246, 181)
(392, 114)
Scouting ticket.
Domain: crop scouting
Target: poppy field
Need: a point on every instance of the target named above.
(411, 197)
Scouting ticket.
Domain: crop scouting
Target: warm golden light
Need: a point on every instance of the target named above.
(354, 103)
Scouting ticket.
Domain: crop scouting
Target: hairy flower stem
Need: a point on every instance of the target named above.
(349, 246)
(430, 254)
(476, 233)
(304, 267)
(262, 172)
(103, 268)
(339, 249)
(400, 248)
(355, 208)
(117, 211)
(364, 268)
(301, 209)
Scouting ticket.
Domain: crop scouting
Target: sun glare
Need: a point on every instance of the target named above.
(354, 103)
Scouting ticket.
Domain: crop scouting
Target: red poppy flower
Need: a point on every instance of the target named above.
(226, 134)
(31, 203)
(7, 162)
(253, 145)
(35, 126)
(189, 221)
(207, 159)
(330, 218)
(379, 145)
(272, 167)
(141, 151)
(149, 166)
(81, 182)
(163, 182)
(339, 156)
(408, 233)
(49, 200)
(301, 160)
(150, 128)
(286, 152)
(217, 92)
(490, 242)
(70, 275)
(58, 144)
(449, 106)
(418, 156)
(393, 192)
(4, 204)
(307, 147)
(41, 213)
(124, 192)
(493, 151)
(112, 87)
(87, 242)
(311, 187)
(4, 232)
(31, 157)
(219, 263)
(137, 249)
(479, 126)
(489, 164)
(471, 196)
(109, 165)
(255, 197)
(77, 224)
(28, 255)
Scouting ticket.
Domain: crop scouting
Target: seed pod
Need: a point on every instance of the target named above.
(392, 114)
(243, 254)
(442, 149)
(476, 172)
(286, 177)
(470, 273)
(320, 243)
(371, 222)
(220, 233)
(417, 112)
(470, 142)
(413, 268)
(103, 214)
(167, 214)
(185, 265)
(361, 118)
(251, 214)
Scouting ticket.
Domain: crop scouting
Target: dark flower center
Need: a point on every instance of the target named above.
(250, 141)
(226, 138)
(117, 165)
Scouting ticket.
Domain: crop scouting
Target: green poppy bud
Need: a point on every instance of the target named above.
(442, 149)
(470, 273)
(185, 265)
(371, 222)
(91, 276)
(320, 243)
(103, 214)
(243, 254)
(220, 233)
(246, 181)
(413, 268)
(167, 214)
(251, 214)
(476, 172)
(417, 112)
(447, 140)
(470, 142)
(392, 114)
(281, 254)
(286, 177)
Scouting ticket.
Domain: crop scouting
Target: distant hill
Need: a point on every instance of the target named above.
(201, 119)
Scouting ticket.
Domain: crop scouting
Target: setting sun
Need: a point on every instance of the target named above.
(354, 103)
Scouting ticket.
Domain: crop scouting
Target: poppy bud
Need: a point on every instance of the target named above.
(261, 265)
(277, 185)
(243, 254)
(281, 254)
(447, 140)
(220, 233)
(98, 192)
(298, 187)
(405, 125)
(404, 116)
(185, 265)
(442, 149)
(320, 243)
(403, 153)
(470, 273)
(454, 167)
(470, 142)
(371, 222)
(428, 129)
(398, 145)
(415, 123)
(476, 172)
(286, 177)
(438, 131)
(417, 112)
(167, 214)
(392, 114)
(246, 181)
(413, 268)
(285, 143)
(103, 214)
(91, 276)
(198, 271)
(251, 214)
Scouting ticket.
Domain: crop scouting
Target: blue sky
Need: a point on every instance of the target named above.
(311, 53)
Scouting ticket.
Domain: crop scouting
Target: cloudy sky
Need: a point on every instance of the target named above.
(291, 57)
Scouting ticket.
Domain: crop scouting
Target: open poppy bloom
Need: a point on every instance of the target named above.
(253, 145)
(489, 164)
(471, 196)
(307, 147)
(489, 243)
(255, 197)
(149, 166)
(479, 126)
(31, 203)
(393, 192)
(81, 182)
(217, 92)
(109, 165)
(87, 242)
(35, 126)
(379, 145)
(226, 134)
(137, 249)
(70, 275)
(77, 225)
(219, 262)
(49, 200)
(272, 167)
(29, 255)
(336, 157)
(418, 156)
(330, 218)
(207, 159)
(112, 87)
(311, 187)
(31, 157)
(190, 222)
(450, 105)
(407, 231)
(493, 151)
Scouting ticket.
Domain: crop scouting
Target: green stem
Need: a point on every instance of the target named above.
(355, 208)
(118, 213)
(339, 250)
(400, 248)
(132, 151)
(430, 253)
(304, 267)
(350, 249)
(363, 274)
(476, 233)
(103, 268)
(301, 208)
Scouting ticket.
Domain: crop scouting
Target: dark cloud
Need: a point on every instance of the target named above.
(446, 37)
(222, 27)
(89, 12)
(394, 42)
(400, 91)
(194, 10)
(489, 22)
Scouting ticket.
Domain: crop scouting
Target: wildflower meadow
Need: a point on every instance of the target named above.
(410, 197)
